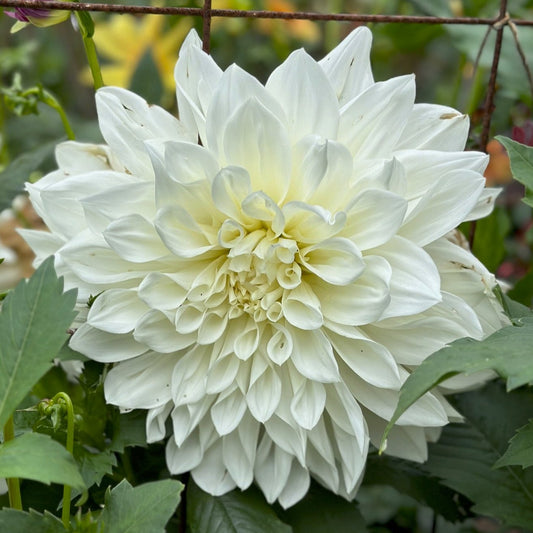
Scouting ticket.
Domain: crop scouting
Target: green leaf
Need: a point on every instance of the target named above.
(12, 178)
(234, 512)
(33, 327)
(12, 520)
(465, 454)
(520, 451)
(147, 507)
(521, 157)
(507, 351)
(94, 466)
(38, 457)
(321, 511)
(410, 479)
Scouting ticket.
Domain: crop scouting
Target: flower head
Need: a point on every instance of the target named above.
(39, 17)
(270, 288)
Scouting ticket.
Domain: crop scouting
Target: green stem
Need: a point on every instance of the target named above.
(94, 65)
(65, 513)
(13, 484)
(54, 104)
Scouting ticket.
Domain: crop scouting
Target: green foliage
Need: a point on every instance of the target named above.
(410, 479)
(521, 158)
(465, 454)
(147, 507)
(18, 521)
(507, 351)
(33, 324)
(36, 456)
(321, 511)
(520, 451)
(12, 177)
(146, 80)
(242, 512)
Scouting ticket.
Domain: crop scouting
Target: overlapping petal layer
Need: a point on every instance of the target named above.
(270, 288)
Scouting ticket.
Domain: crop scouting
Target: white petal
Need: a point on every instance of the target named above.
(126, 120)
(368, 359)
(247, 341)
(189, 379)
(311, 223)
(308, 404)
(222, 374)
(485, 204)
(185, 457)
(264, 394)
(415, 281)
(313, 356)
(443, 207)
(301, 307)
(296, 487)
(308, 99)
(105, 347)
(256, 140)
(116, 311)
(140, 383)
(291, 439)
(234, 88)
(228, 410)
(155, 330)
(161, 291)
(135, 239)
(373, 217)
(348, 65)
(230, 187)
(360, 302)
(435, 127)
(155, 422)
(337, 261)
(196, 76)
(372, 123)
(237, 460)
(41, 242)
(180, 232)
(260, 206)
(353, 459)
(77, 158)
(211, 474)
(280, 345)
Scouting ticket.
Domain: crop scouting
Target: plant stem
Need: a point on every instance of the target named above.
(13, 484)
(87, 30)
(94, 65)
(65, 513)
(49, 100)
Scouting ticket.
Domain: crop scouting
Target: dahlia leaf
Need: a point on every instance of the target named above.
(321, 510)
(507, 352)
(409, 479)
(520, 451)
(465, 454)
(521, 157)
(38, 457)
(13, 520)
(147, 507)
(12, 178)
(234, 512)
(33, 327)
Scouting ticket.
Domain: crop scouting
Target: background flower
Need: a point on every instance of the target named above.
(271, 288)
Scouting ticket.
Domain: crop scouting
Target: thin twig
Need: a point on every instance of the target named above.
(206, 37)
(522, 55)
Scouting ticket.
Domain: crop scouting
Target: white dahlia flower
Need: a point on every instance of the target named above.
(270, 287)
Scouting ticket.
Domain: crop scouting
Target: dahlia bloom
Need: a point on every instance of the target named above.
(270, 288)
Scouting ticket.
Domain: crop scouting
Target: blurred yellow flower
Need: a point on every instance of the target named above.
(123, 40)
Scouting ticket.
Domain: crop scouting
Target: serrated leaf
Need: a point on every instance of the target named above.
(521, 158)
(13, 520)
(410, 479)
(322, 511)
(520, 451)
(38, 457)
(147, 507)
(465, 454)
(13, 177)
(94, 466)
(234, 512)
(507, 352)
(33, 327)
